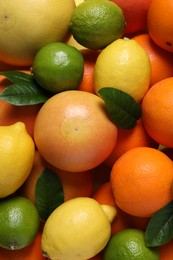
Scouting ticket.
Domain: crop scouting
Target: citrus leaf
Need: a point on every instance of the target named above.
(17, 76)
(159, 230)
(123, 110)
(49, 193)
(24, 91)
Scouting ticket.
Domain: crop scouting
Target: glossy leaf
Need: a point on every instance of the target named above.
(123, 110)
(24, 91)
(159, 230)
(49, 193)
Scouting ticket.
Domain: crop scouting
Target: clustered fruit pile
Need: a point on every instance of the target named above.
(86, 136)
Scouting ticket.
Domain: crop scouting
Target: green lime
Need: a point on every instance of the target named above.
(19, 222)
(58, 67)
(97, 23)
(129, 244)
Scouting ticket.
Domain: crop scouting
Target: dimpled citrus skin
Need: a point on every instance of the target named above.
(129, 244)
(73, 131)
(16, 157)
(124, 65)
(78, 229)
(19, 222)
(30, 26)
(97, 23)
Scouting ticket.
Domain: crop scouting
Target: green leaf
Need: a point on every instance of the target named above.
(24, 91)
(49, 193)
(159, 230)
(17, 76)
(123, 110)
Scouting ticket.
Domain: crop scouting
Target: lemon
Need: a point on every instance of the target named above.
(97, 23)
(16, 157)
(19, 222)
(129, 244)
(26, 26)
(58, 67)
(78, 229)
(124, 65)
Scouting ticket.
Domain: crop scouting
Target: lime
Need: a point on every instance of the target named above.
(97, 23)
(124, 65)
(19, 221)
(58, 67)
(129, 244)
(78, 229)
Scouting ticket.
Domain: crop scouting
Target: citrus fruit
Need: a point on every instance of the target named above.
(30, 252)
(16, 157)
(27, 27)
(97, 23)
(58, 67)
(159, 23)
(129, 244)
(77, 229)
(157, 109)
(135, 13)
(19, 222)
(124, 65)
(141, 181)
(161, 60)
(10, 114)
(73, 131)
(128, 139)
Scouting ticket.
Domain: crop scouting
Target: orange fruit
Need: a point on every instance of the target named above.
(135, 13)
(74, 184)
(73, 131)
(141, 181)
(166, 252)
(161, 60)
(90, 57)
(157, 110)
(159, 23)
(31, 252)
(10, 114)
(128, 139)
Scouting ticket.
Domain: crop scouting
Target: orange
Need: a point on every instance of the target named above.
(157, 110)
(73, 131)
(166, 252)
(90, 57)
(74, 184)
(128, 139)
(135, 13)
(161, 60)
(31, 252)
(10, 114)
(141, 181)
(160, 20)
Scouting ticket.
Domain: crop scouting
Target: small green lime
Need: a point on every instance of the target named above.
(129, 244)
(97, 23)
(58, 67)
(19, 222)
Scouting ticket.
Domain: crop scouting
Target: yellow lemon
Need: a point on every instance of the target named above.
(78, 229)
(26, 26)
(16, 157)
(124, 65)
